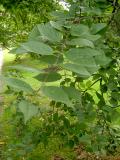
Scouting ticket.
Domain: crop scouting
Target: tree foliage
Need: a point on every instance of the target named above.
(19, 17)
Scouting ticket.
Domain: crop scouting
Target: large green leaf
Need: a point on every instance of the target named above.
(102, 60)
(52, 59)
(49, 33)
(34, 33)
(72, 93)
(79, 30)
(91, 37)
(81, 42)
(56, 94)
(81, 70)
(29, 110)
(57, 25)
(75, 53)
(87, 57)
(18, 84)
(48, 77)
(96, 28)
(19, 50)
(83, 56)
(25, 68)
(37, 47)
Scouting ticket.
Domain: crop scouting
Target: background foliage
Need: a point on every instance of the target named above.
(19, 17)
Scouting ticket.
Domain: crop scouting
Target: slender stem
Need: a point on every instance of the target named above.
(92, 84)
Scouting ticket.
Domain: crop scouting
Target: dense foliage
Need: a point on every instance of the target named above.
(17, 18)
(77, 98)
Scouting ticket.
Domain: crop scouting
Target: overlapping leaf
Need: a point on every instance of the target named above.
(48, 77)
(37, 47)
(49, 33)
(81, 42)
(79, 30)
(57, 94)
(85, 61)
(96, 28)
(72, 93)
(79, 69)
(52, 59)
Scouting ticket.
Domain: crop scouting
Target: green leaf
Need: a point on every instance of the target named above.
(61, 15)
(19, 50)
(37, 47)
(48, 77)
(49, 33)
(96, 28)
(72, 93)
(52, 59)
(91, 37)
(24, 68)
(81, 70)
(18, 84)
(103, 60)
(84, 57)
(29, 110)
(81, 42)
(57, 25)
(87, 57)
(34, 33)
(77, 53)
(79, 30)
(56, 93)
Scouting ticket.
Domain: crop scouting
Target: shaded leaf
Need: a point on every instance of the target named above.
(29, 110)
(56, 93)
(72, 93)
(52, 59)
(18, 84)
(102, 60)
(48, 77)
(79, 30)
